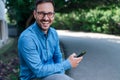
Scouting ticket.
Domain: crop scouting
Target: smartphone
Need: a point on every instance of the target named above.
(81, 54)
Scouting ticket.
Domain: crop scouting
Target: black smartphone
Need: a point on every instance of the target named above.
(81, 54)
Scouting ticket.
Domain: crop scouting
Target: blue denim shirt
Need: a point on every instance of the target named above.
(40, 54)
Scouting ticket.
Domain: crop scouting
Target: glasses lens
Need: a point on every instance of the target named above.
(50, 14)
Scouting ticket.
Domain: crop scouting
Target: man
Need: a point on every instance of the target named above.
(38, 47)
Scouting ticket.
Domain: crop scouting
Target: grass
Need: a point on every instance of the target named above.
(9, 63)
(7, 46)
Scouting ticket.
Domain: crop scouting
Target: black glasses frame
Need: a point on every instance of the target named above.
(43, 14)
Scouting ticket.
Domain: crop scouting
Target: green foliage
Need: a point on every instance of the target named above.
(19, 11)
(92, 20)
(85, 15)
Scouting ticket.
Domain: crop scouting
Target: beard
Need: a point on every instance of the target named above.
(44, 24)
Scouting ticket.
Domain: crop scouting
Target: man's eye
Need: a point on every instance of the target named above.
(39, 12)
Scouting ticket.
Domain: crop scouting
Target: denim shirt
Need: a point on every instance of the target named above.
(40, 54)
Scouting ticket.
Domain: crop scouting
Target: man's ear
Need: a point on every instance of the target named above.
(34, 13)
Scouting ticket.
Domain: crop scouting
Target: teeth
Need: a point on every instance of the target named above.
(45, 22)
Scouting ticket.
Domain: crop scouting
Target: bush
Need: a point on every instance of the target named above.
(102, 20)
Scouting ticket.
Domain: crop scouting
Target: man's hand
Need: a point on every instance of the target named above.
(74, 61)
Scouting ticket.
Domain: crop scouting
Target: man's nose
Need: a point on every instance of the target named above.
(45, 17)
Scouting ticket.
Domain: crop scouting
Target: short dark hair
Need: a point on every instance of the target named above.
(43, 1)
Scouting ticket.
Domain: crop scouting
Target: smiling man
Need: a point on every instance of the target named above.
(44, 15)
(38, 48)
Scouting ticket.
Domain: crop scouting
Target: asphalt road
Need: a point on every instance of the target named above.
(102, 61)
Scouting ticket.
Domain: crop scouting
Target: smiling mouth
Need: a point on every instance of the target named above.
(45, 22)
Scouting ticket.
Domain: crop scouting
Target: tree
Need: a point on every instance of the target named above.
(20, 11)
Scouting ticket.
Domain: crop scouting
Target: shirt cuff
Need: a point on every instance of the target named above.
(66, 64)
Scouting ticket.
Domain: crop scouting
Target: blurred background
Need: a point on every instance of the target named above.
(97, 16)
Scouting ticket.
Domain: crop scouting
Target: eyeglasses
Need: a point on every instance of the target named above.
(49, 14)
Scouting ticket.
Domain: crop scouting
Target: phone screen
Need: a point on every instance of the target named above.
(81, 54)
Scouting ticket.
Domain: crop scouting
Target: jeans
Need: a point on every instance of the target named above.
(56, 77)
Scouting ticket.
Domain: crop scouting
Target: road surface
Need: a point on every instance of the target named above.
(102, 61)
